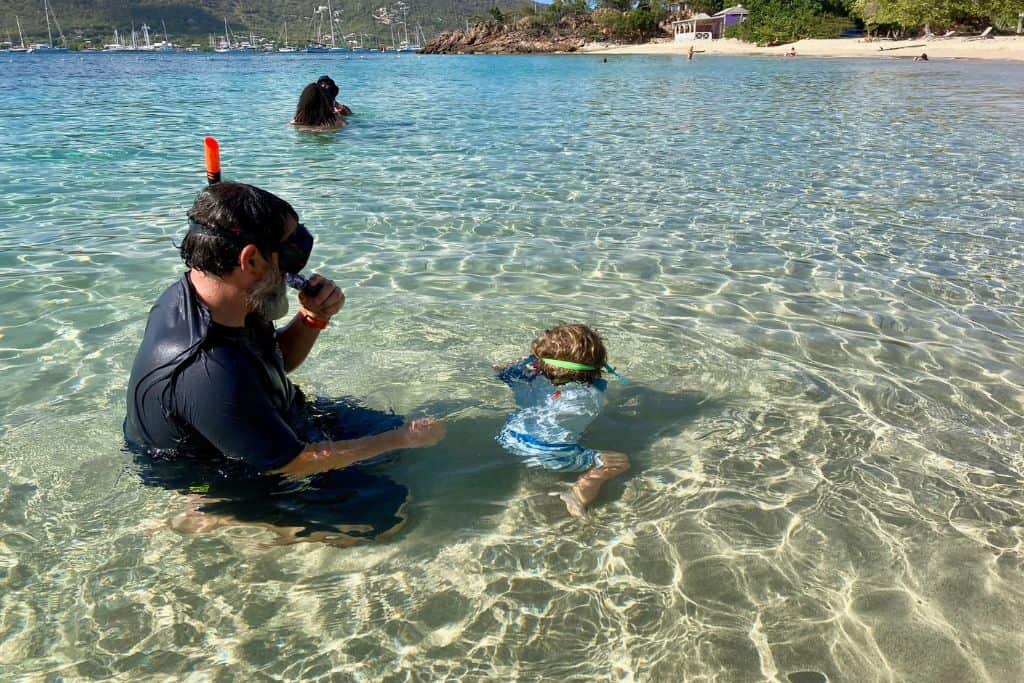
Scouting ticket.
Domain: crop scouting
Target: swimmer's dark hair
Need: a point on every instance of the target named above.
(315, 108)
(575, 343)
(329, 87)
(228, 206)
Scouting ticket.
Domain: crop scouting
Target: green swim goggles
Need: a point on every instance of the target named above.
(569, 365)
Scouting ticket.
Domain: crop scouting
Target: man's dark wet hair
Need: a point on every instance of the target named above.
(329, 87)
(315, 108)
(256, 215)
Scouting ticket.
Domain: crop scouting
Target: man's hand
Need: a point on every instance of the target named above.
(423, 432)
(326, 303)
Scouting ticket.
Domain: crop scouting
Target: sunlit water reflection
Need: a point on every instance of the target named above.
(810, 270)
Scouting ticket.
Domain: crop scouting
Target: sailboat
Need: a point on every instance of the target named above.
(249, 45)
(21, 36)
(118, 46)
(316, 30)
(320, 42)
(165, 45)
(225, 45)
(330, 17)
(147, 45)
(49, 46)
(285, 47)
(405, 45)
(355, 42)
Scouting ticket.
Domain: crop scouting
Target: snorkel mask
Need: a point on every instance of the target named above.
(569, 365)
(292, 254)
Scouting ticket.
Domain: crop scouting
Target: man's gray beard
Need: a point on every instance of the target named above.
(269, 298)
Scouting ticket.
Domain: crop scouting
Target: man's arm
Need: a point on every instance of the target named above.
(297, 338)
(333, 455)
(230, 408)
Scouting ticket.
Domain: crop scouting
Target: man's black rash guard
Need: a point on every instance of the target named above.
(210, 390)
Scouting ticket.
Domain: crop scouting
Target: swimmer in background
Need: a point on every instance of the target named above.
(315, 111)
(792, 52)
(923, 57)
(689, 54)
(331, 89)
(559, 391)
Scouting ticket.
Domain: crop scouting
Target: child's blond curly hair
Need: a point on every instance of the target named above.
(574, 343)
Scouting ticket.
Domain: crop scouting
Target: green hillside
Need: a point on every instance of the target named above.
(97, 19)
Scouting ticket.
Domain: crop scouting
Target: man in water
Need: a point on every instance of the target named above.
(209, 393)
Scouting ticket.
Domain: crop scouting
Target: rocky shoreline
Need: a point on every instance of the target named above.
(569, 34)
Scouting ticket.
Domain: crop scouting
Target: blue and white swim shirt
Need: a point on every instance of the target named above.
(551, 419)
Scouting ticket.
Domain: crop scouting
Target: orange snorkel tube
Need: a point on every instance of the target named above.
(212, 149)
(298, 281)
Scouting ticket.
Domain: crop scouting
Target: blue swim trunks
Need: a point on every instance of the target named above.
(547, 427)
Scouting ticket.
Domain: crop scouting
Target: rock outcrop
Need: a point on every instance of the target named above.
(526, 36)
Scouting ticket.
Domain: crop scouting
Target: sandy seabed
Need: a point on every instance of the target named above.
(1000, 47)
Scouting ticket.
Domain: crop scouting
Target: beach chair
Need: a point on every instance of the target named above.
(987, 33)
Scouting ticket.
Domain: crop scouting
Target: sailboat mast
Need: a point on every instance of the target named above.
(46, 13)
(20, 36)
(330, 18)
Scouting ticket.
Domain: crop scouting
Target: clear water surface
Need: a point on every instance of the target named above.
(811, 270)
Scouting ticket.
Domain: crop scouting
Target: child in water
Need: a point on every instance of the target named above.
(559, 391)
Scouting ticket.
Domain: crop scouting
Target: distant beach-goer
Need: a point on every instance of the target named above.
(923, 57)
(315, 110)
(559, 392)
(792, 52)
(331, 89)
(689, 54)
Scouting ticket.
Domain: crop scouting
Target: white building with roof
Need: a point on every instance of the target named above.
(703, 27)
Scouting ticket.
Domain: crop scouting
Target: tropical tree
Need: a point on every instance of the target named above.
(617, 5)
(913, 13)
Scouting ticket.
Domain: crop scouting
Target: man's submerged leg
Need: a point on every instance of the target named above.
(341, 507)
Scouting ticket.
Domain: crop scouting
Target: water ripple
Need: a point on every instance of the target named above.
(810, 270)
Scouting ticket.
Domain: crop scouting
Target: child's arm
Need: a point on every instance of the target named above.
(516, 371)
(504, 366)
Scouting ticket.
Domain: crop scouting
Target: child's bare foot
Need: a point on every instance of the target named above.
(576, 507)
(423, 432)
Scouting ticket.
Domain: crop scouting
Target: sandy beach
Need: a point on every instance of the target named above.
(1000, 47)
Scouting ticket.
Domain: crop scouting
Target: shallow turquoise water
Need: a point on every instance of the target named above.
(811, 271)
